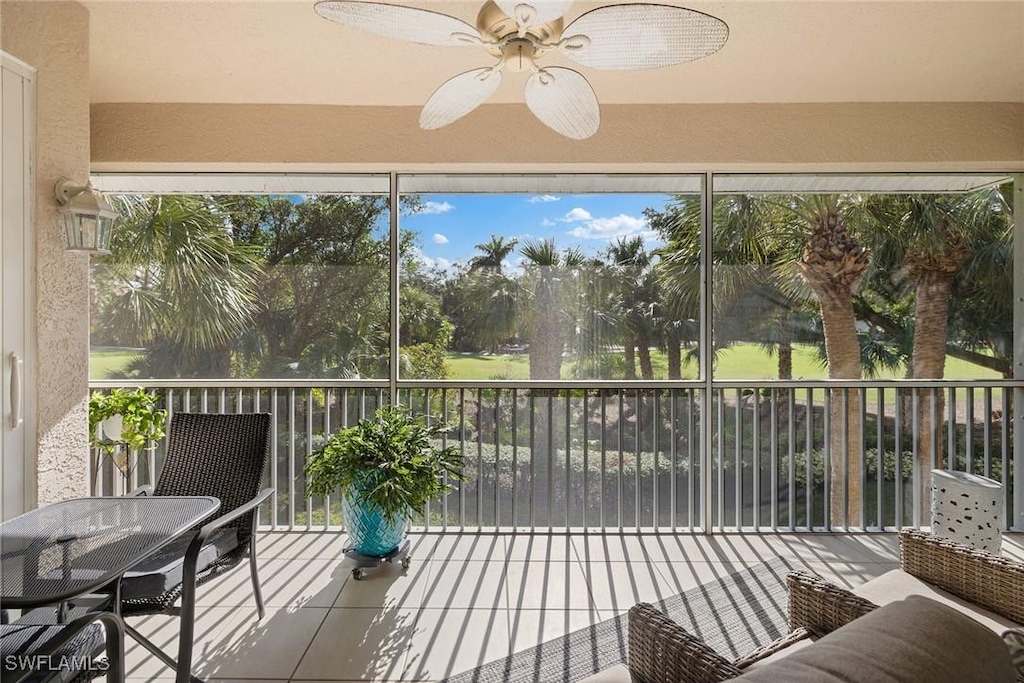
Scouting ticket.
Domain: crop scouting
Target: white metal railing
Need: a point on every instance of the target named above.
(614, 456)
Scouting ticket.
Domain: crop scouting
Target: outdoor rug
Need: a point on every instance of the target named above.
(734, 615)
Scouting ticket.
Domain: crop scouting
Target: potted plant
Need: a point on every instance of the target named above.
(388, 467)
(129, 420)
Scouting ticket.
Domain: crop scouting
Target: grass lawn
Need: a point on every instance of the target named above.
(499, 366)
(743, 361)
(105, 361)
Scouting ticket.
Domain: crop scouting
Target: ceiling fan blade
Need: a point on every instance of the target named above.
(396, 21)
(458, 96)
(534, 12)
(564, 101)
(642, 37)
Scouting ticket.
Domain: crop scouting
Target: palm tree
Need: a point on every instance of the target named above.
(930, 240)
(487, 306)
(982, 312)
(832, 264)
(548, 275)
(638, 302)
(484, 300)
(179, 283)
(495, 251)
(758, 294)
(678, 273)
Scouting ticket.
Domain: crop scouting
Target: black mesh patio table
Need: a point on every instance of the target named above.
(74, 547)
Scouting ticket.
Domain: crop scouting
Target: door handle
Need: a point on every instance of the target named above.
(17, 368)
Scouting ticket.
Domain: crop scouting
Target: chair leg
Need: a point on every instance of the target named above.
(114, 632)
(255, 577)
(188, 621)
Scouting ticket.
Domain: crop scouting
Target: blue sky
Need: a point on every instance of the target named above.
(450, 224)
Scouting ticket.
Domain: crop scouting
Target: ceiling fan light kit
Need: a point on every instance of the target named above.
(518, 34)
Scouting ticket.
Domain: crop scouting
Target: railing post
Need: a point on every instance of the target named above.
(1018, 352)
(706, 352)
(395, 264)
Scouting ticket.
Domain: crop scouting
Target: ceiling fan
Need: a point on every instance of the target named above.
(520, 32)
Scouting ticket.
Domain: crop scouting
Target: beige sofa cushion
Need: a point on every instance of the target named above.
(908, 641)
(897, 584)
(616, 674)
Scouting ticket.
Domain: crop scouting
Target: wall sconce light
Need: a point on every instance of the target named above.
(87, 217)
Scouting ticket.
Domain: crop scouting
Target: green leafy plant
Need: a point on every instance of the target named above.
(390, 461)
(142, 421)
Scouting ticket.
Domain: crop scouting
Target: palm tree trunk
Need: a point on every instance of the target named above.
(546, 332)
(644, 350)
(928, 361)
(846, 446)
(630, 361)
(546, 347)
(833, 264)
(784, 396)
(785, 350)
(675, 357)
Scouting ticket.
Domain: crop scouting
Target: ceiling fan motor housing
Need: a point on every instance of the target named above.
(497, 27)
(519, 54)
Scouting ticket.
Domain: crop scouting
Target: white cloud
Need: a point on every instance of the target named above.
(438, 238)
(429, 263)
(545, 198)
(547, 222)
(612, 227)
(577, 214)
(515, 266)
(435, 207)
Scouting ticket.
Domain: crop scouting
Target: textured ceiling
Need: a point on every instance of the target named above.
(830, 51)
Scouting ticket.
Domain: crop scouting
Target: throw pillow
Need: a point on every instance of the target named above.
(1015, 641)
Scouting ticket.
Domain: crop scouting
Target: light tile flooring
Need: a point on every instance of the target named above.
(466, 599)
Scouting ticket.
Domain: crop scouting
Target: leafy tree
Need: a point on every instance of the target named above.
(323, 300)
(428, 359)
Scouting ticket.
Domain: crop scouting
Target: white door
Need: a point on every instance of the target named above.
(17, 285)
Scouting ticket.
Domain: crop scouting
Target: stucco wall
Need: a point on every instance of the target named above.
(54, 38)
(880, 136)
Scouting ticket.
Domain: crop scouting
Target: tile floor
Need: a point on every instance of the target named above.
(466, 599)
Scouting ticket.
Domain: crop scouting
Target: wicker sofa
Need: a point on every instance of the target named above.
(987, 588)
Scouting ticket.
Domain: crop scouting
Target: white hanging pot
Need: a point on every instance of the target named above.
(112, 427)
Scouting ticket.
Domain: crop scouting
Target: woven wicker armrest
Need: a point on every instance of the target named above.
(821, 606)
(768, 650)
(990, 581)
(661, 650)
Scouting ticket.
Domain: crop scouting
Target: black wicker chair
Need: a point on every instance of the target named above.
(207, 455)
(52, 653)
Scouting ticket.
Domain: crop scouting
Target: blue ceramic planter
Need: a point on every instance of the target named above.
(369, 531)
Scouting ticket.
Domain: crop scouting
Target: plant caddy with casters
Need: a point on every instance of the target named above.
(387, 467)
